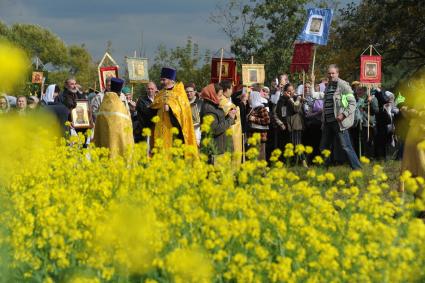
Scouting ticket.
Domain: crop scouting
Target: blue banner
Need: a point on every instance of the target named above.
(316, 29)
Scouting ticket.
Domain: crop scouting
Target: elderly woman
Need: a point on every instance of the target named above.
(4, 104)
(212, 95)
(259, 119)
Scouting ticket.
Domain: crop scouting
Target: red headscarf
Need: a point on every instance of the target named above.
(209, 93)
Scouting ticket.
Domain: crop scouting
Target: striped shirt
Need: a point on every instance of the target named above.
(328, 107)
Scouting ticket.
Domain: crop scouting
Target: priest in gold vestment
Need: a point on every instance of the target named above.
(113, 127)
(173, 109)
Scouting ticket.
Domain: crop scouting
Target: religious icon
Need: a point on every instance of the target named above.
(252, 74)
(315, 25)
(107, 72)
(371, 70)
(224, 69)
(37, 77)
(137, 69)
(80, 115)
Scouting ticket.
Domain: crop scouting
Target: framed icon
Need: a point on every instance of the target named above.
(370, 69)
(315, 25)
(107, 72)
(228, 69)
(80, 115)
(137, 69)
(224, 69)
(253, 74)
(37, 77)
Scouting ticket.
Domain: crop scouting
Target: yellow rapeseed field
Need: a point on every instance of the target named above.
(71, 214)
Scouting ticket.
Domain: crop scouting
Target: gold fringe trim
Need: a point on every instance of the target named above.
(371, 85)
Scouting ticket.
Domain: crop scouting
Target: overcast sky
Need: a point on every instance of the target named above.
(94, 22)
(87, 21)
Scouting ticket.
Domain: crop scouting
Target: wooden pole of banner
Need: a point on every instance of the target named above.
(314, 62)
(42, 87)
(368, 102)
(303, 82)
(221, 64)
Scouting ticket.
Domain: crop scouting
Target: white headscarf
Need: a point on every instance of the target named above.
(256, 100)
(49, 95)
(274, 98)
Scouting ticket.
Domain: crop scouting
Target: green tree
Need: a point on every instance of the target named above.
(63, 61)
(38, 41)
(395, 28)
(82, 65)
(191, 64)
(264, 29)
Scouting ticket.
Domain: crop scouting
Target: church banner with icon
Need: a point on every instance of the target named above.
(316, 28)
(253, 74)
(370, 70)
(137, 69)
(228, 70)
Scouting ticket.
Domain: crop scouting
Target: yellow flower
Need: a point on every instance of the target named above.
(288, 153)
(146, 132)
(326, 153)
(299, 149)
(308, 149)
(275, 155)
(364, 160)
(229, 132)
(189, 265)
(155, 119)
(14, 66)
(318, 160)
(289, 146)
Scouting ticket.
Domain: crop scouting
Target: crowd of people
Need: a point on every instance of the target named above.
(332, 114)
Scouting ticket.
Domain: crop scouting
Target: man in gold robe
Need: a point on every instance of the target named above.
(226, 104)
(113, 127)
(173, 109)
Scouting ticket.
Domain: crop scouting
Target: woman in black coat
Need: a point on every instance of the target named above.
(212, 95)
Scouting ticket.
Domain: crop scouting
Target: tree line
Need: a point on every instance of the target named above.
(264, 29)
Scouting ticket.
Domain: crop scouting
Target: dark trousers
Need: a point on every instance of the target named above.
(362, 145)
(332, 131)
(296, 137)
(311, 137)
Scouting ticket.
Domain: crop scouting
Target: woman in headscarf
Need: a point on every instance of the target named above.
(259, 119)
(212, 95)
(4, 104)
